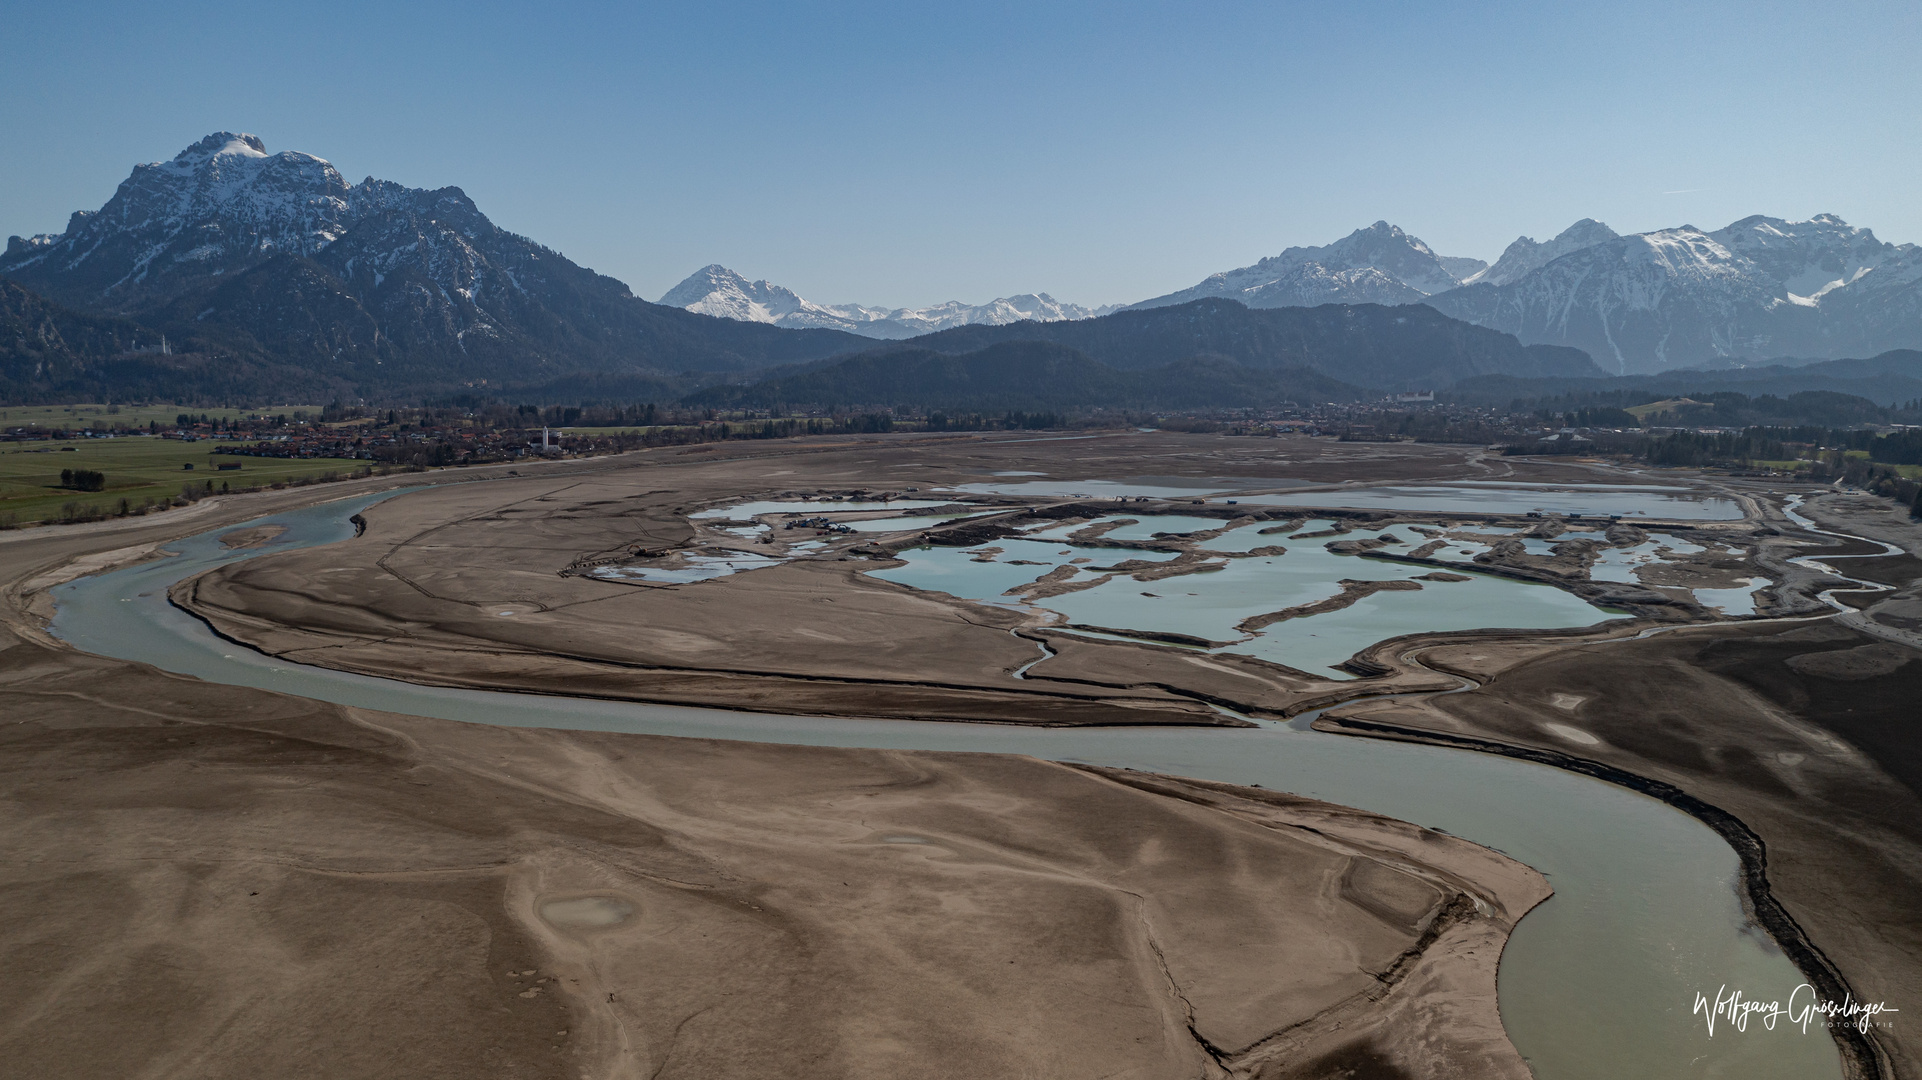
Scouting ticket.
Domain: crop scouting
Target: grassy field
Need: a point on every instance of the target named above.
(1907, 472)
(1657, 408)
(136, 468)
(100, 418)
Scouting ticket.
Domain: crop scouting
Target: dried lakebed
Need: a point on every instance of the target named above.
(1597, 982)
(1216, 602)
(1247, 588)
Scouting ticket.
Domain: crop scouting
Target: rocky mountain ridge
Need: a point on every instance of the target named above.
(1371, 346)
(236, 252)
(1761, 287)
(1380, 264)
(1526, 254)
(276, 261)
(1025, 375)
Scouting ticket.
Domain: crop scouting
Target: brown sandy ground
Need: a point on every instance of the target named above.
(217, 881)
(1806, 732)
(214, 881)
(1896, 615)
(473, 585)
(436, 564)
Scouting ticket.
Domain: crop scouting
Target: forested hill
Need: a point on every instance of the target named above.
(1025, 375)
(1367, 345)
(1889, 379)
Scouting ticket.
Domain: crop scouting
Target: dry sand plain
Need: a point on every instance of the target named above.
(210, 881)
(421, 595)
(213, 881)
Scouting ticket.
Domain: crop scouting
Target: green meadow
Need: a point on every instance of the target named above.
(138, 468)
(103, 417)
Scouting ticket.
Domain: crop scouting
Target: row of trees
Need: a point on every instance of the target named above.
(1609, 409)
(1694, 448)
(1861, 458)
(83, 480)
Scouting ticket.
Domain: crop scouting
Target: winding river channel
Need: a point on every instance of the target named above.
(1598, 982)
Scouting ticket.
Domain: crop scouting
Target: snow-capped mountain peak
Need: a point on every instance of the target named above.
(1526, 254)
(716, 290)
(1807, 258)
(1380, 264)
(1760, 287)
(217, 144)
(274, 259)
(216, 205)
(225, 212)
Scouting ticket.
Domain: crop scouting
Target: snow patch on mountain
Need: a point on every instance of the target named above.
(371, 264)
(716, 290)
(1313, 284)
(220, 201)
(1758, 288)
(1376, 265)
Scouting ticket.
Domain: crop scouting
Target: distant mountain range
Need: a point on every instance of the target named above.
(1024, 375)
(716, 290)
(1377, 265)
(270, 264)
(1364, 345)
(270, 276)
(1760, 288)
(1207, 353)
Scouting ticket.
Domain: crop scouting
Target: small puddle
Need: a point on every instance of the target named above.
(587, 912)
(1737, 601)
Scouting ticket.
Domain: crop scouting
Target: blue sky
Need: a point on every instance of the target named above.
(906, 154)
